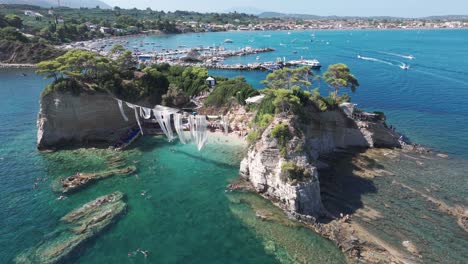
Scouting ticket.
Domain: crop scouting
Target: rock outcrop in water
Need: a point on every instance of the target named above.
(77, 227)
(81, 180)
(326, 132)
(66, 118)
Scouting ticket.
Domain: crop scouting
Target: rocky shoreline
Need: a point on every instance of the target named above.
(77, 227)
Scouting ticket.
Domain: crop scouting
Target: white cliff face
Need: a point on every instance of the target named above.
(262, 167)
(327, 132)
(66, 118)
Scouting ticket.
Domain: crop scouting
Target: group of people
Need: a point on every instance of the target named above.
(215, 125)
(134, 253)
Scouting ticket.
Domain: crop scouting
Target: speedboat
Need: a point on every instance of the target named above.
(228, 41)
(404, 66)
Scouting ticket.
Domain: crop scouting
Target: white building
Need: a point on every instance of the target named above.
(32, 13)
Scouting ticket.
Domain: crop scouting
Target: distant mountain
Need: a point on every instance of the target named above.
(54, 3)
(305, 16)
(283, 15)
(245, 9)
(448, 17)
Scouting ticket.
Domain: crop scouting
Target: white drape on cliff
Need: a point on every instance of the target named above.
(192, 128)
(179, 129)
(198, 124)
(201, 125)
(145, 112)
(159, 118)
(166, 117)
(138, 119)
(121, 110)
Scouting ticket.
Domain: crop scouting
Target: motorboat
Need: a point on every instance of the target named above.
(404, 66)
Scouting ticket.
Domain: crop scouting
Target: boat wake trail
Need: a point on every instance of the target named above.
(376, 60)
(443, 77)
(409, 57)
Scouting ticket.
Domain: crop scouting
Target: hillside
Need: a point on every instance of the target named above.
(53, 3)
(284, 15)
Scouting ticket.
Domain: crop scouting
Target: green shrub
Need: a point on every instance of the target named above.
(265, 121)
(253, 136)
(232, 88)
(319, 101)
(290, 171)
(281, 133)
(265, 107)
(63, 85)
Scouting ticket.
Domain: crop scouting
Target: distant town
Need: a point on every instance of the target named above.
(323, 24)
(28, 34)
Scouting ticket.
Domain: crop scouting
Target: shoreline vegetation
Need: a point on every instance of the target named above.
(28, 26)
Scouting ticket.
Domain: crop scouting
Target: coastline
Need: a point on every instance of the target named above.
(160, 33)
(141, 34)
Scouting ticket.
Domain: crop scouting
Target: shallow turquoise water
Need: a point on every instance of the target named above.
(189, 217)
(185, 215)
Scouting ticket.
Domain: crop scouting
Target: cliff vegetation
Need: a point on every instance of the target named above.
(80, 71)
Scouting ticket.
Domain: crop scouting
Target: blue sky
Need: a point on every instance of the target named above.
(402, 8)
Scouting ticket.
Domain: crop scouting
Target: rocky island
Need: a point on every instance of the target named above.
(288, 127)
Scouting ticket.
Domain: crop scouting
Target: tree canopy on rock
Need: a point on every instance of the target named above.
(339, 76)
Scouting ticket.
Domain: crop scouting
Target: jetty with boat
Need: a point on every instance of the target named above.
(211, 57)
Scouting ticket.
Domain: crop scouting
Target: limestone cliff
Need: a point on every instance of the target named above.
(264, 168)
(90, 117)
(326, 132)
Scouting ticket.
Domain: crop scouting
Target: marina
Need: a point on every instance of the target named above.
(211, 57)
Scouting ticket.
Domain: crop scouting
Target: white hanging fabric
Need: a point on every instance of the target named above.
(158, 116)
(202, 134)
(179, 129)
(193, 131)
(121, 110)
(145, 112)
(198, 124)
(166, 117)
(138, 119)
(225, 125)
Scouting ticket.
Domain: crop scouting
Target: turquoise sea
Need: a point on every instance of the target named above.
(185, 215)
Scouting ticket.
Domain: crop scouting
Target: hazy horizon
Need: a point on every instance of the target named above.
(364, 8)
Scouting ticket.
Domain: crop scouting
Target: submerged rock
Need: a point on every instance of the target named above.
(76, 228)
(80, 180)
